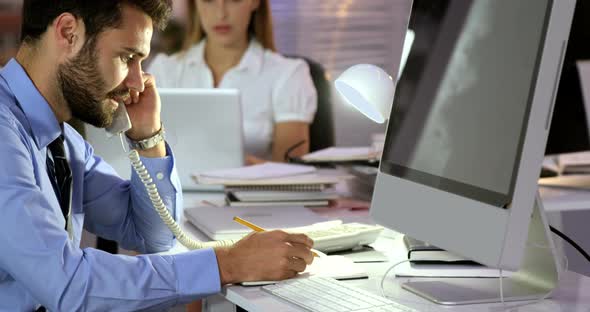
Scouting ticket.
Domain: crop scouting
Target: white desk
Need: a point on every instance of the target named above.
(572, 294)
(569, 211)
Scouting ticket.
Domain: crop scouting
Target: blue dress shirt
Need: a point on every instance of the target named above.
(40, 265)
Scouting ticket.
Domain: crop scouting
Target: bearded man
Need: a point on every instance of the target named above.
(83, 58)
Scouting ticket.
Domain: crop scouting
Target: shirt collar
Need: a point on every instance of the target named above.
(252, 59)
(44, 125)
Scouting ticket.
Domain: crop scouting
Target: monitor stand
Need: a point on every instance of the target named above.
(537, 277)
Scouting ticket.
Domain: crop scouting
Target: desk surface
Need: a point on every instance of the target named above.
(572, 294)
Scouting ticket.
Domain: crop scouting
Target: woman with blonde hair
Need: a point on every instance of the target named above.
(229, 44)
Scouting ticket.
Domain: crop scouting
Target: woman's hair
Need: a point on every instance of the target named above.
(260, 26)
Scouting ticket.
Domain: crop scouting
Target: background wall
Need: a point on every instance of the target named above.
(336, 33)
(9, 28)
(339, 34)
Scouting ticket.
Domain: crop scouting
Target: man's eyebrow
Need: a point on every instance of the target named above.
(135, 51)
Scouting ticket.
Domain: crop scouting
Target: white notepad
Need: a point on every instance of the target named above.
(338, 267)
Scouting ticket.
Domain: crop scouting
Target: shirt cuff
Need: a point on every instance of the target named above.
(286, 117)
(197, 274)
(160, 170)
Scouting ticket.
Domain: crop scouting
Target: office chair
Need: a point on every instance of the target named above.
(321, 129)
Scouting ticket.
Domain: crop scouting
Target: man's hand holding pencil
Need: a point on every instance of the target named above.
(264, 255)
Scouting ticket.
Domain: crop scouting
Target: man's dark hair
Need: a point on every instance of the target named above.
(98, 15)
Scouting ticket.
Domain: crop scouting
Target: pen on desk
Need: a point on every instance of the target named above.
(256, 228)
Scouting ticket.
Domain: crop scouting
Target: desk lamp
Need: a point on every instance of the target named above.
(369, 89)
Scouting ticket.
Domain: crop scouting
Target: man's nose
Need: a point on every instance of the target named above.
(134, 80)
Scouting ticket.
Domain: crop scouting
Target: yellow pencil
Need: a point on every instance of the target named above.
(256, 228)
(248, 224)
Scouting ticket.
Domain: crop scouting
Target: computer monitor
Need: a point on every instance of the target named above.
(466, 138)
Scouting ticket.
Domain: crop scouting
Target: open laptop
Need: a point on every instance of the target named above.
(203, 128)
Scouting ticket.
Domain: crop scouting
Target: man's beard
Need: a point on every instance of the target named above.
(83, 88)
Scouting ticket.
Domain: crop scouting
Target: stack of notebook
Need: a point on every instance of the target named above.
(276, 184)
(249, 197)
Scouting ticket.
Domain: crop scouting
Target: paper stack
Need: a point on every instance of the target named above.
(342, 154)
(574, 163)
(276, 184)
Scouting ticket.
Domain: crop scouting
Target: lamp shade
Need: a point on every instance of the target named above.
(369, 89)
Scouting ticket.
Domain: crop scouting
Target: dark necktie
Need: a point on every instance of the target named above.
(60, 175)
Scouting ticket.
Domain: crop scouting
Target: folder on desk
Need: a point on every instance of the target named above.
(217, 222)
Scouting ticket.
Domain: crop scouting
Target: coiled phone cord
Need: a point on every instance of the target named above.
(158, 204)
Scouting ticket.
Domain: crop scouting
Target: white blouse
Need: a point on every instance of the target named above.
(273, 88)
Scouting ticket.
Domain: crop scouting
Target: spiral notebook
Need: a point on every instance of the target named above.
(236, 198)
(271, 196)
(280, 187)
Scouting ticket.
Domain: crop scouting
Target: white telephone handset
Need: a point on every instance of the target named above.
(122, 123)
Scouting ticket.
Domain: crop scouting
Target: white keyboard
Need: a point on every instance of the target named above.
(323, 294)
(335, 235)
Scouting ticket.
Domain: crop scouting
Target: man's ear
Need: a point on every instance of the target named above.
(68, 33)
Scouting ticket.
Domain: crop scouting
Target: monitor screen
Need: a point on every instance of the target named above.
(461, 108)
